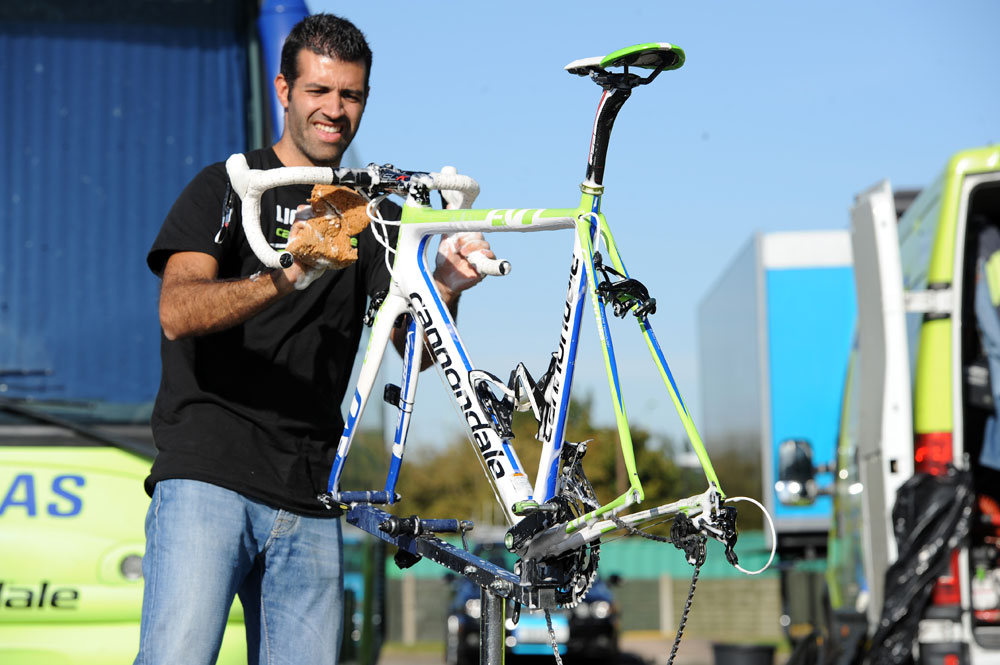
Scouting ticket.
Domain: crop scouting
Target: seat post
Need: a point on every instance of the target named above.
(656, 56)
(611, 102)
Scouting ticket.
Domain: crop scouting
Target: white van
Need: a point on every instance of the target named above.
(914, 409)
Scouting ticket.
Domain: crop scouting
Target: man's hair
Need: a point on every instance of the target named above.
(327, 35)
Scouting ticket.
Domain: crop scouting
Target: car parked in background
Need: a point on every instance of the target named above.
(587, 632)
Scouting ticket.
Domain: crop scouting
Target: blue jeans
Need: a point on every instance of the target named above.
(204, 546)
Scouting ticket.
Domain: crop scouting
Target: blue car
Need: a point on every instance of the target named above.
(588, 632)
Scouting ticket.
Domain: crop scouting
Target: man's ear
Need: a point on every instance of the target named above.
(282, 89)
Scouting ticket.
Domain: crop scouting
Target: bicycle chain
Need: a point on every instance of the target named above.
(552, 638)
(577, 593)
(684, 615)
(685, 536)
(618, 522)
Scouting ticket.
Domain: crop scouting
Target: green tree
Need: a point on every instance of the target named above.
(450, 482)
(366, 466)
(737, 463)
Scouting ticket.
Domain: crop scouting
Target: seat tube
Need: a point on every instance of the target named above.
(552, 429)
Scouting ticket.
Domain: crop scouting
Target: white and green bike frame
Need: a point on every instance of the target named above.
(412, 295)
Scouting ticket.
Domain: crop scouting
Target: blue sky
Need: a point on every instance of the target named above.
(783, 112)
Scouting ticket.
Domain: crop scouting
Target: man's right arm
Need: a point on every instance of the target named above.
(194, 302)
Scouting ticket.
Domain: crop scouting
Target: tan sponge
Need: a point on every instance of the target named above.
(324, 240)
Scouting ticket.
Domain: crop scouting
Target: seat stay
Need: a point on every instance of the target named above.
(660, 362)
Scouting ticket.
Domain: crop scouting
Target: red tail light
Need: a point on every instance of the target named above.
(947, 590)
(932, 452)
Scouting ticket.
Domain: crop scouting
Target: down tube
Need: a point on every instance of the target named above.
(496, 455)
(665, 373)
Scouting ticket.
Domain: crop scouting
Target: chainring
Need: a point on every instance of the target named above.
(585, 572)
(576, 489)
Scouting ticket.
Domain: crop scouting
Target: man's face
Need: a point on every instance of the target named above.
(324, 110)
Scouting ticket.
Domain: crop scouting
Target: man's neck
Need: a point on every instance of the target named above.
(288, 155)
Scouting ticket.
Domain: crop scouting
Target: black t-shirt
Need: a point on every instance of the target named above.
(256, 408)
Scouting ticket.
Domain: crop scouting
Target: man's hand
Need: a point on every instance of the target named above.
(452, 270)
(300, 274)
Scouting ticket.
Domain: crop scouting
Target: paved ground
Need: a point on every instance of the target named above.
(637, 649)
(649, 650)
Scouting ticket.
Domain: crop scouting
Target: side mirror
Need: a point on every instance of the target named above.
(796, 484)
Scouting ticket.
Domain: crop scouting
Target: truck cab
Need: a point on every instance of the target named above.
(914, 413)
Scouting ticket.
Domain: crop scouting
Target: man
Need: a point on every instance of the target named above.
(987, 309)
(255, 366)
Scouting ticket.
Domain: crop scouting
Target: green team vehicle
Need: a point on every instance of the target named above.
(72, 508)
(72, 512)
(915, 406)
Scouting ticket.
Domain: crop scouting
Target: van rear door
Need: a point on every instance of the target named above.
(885, 426)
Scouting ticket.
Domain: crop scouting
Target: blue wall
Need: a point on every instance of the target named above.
(107, 116)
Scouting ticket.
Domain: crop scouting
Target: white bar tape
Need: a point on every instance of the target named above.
(488, 266)
(249, 184)
(457, 183)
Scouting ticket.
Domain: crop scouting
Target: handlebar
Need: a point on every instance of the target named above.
(487, 266)
(250, 184)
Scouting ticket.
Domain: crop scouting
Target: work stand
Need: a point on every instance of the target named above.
(416, 539)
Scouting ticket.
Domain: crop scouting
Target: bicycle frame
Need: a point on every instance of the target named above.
(412, 292)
